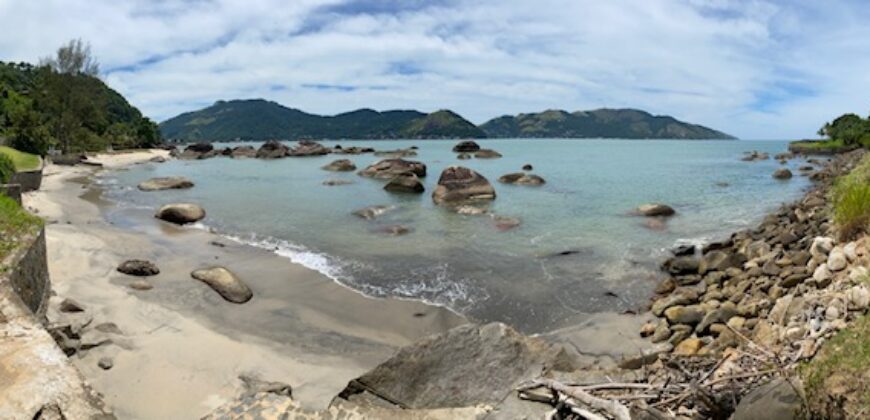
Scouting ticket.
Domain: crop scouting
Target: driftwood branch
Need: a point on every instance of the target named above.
(610, 407)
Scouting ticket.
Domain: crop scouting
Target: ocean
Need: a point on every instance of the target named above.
(577, 251)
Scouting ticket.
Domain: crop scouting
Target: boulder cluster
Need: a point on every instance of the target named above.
(271, 149)
(787, 284)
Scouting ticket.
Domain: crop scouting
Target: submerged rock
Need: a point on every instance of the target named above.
(390, 168)
(225, 282)
(372, 212)
(336, 182)
(71, 305)
(138, 268)
(393, 230)
(487, 154)
(165, 183)
(398, 153)
(405, 183)
(181, 213)
(340, 165)
(527, 167)
(463, 156)
(506, 222)
(519, 178)
(140, 285)
(466, 146)
(458, 184)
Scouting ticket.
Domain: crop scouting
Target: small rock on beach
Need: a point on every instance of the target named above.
(225, 282)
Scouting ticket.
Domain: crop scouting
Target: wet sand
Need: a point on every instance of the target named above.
(183, 347)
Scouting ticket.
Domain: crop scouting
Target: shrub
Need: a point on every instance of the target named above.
(851, 201)
(7, 168)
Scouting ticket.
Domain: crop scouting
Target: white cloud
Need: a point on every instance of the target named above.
(757, 69)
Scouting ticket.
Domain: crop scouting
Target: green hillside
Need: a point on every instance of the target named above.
(258, 119)
(67, 108)
(600, 123)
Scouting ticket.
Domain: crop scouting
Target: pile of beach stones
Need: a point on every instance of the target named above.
(787, 284)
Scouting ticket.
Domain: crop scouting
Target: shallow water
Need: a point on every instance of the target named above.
(465, 262)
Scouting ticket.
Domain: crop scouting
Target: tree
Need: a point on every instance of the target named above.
(73, 58)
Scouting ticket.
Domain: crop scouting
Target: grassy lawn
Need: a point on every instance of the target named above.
(15, 223)
(23, 161)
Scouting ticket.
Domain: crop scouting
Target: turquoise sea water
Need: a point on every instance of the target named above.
(465, 262)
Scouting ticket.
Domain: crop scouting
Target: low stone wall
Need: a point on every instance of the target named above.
(29, 180)
(29, 276)
(12, 191)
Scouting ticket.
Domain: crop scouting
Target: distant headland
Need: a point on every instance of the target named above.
(259, 119)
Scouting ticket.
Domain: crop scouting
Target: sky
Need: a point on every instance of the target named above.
(757, 69)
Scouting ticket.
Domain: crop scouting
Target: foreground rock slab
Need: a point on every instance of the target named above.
(181, 213)
(225, 282)
(468, 365)
(166, 183)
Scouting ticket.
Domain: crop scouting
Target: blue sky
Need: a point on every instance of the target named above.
(753, 68)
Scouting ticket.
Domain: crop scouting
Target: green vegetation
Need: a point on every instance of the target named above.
(61, 103)
(839, 372)
(600, 123)
(846, 132)
(850, 199)
(14, 224)
(7, 168)
(258, 119)
(21, 160)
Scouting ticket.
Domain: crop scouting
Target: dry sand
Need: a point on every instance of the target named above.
(183, 347)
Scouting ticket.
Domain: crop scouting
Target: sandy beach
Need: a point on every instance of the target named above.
(182, 347)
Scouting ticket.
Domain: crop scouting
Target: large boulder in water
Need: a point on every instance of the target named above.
(181, 213)
(272, 149)
(458, 184)
(405, 183)
(466, 146)
(519, 178)
(468, 365)
(243, 152)
(165, 183)
(340, 165)
(655, 210)
(225, 283)
(309, 148)
(782, 173)
(390, 168)
(198, 151)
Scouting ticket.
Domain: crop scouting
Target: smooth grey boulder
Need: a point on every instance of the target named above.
(180, 213)
(405, 183)
(390, 168)
(165, 183)
(458, 184)
(340, 165)
(225, 282)
(776, 400)
(468, 365)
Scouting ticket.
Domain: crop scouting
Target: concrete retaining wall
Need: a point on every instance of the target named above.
(29, 180)
(29, 277)
(12, 191)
